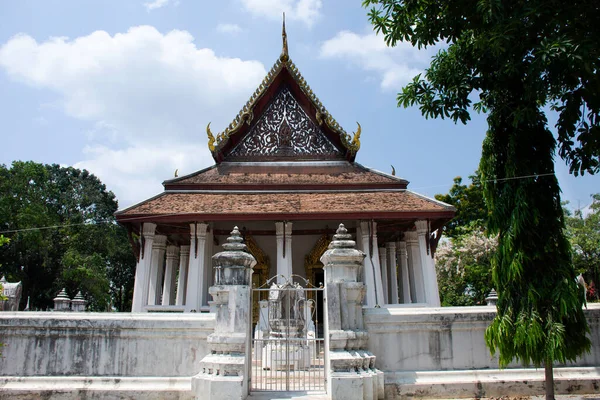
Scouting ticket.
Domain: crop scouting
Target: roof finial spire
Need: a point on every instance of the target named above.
(284, 52)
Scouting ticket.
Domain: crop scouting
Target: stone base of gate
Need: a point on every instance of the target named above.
(354, 377)
(222, 377)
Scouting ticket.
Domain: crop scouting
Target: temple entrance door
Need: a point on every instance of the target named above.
(289, 347)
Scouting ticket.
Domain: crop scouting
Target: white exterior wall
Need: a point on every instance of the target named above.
(103, 344)
(447, 338)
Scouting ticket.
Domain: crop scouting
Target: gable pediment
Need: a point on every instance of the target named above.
(283, 131)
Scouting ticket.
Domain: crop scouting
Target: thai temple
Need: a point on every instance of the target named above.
(286, 270)
(285, 174)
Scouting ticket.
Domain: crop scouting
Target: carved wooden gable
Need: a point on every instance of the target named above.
(284, 130)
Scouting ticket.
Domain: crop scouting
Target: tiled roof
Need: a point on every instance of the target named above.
(241, 175)
(264, 204)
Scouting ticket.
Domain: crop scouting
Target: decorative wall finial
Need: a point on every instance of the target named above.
(284, 57)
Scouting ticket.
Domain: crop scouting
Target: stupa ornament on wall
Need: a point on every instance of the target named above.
(284, 129)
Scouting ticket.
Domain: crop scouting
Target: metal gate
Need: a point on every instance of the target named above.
(289, 345)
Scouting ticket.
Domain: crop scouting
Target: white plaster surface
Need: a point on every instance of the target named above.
(447, 338)
(103, 344)
(488, 383)
(105, 388)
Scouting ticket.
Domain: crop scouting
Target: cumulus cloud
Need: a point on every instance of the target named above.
(229, 28)
(395, 66)
(307, 11)
(136, 172)
(153, 5)
(147, 95)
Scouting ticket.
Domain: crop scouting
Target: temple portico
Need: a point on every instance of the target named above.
(174, 270)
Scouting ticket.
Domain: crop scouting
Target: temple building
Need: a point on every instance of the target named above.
(285, 174)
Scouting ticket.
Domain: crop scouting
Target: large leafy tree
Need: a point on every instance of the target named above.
(63, 234)
(516, 58)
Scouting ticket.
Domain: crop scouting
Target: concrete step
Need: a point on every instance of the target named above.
(288, 396)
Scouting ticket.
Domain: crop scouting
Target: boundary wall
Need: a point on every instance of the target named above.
(101, 355)
(441, 352)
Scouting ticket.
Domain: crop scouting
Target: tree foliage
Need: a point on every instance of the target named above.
(471, 211)
(63, 234)
(516, 57)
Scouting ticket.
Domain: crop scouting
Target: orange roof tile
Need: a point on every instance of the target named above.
(265, 204)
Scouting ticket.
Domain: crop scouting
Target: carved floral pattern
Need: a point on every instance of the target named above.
(285, 130)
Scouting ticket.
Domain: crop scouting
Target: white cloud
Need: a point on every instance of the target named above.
(136, 172)
(229, 28)
(307, 11)
(396, 66)
(148, 97)
(153, 5)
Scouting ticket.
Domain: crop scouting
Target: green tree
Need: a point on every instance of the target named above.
(584, 235)
(63, 234)
(517, 57)
(471, 211)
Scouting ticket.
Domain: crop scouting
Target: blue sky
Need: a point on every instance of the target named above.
(125, 88)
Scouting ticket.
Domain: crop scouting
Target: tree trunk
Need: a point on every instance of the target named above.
(549, 380)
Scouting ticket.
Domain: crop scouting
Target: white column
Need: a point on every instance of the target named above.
(184, 259)
(207, 278)
(393, 272)
(404, 277)
(372, 270)
(414, 268)
(283, 232)
(142, 269)
(168, 294)
(429, 276)
(384, 274)
(193, 298)
(158, 263)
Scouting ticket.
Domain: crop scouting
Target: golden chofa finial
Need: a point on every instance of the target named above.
(211, 138)
(355, 144)
(284, 57)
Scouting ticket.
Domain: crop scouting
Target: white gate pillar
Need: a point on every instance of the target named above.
(283, 232)
(432, 295)
(393, 272)
(352, 371)
(224, 371)
(193, 298)
(142, 270)
(158, 262)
